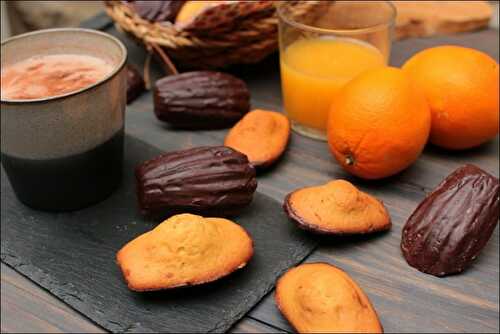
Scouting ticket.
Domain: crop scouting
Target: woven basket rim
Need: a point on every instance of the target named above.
(167, 27)
(254, 36)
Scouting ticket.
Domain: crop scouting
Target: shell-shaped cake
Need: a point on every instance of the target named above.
(201, 100)
(320, 298)
(261, 135)
(211, 180)
(452, 225)
(337, 207)
(184, 250)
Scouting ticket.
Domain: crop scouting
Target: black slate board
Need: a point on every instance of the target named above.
(72, 255)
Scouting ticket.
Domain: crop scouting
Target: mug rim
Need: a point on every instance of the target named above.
(112, 74)
(311, 28)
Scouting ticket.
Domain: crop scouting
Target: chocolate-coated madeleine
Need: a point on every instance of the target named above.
(135, 84)
(212, 180)
(157, 11)
(201, 100)
(449, 229)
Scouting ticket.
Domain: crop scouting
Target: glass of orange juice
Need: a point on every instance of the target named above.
(323, 45)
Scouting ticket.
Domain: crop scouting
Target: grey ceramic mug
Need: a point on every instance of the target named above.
(65, 152)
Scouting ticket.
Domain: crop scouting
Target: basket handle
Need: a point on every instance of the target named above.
(167, 64)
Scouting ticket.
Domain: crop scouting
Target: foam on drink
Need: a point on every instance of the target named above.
(51, 75)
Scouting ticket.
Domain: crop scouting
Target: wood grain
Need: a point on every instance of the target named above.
(430, 18)
(406, 300)
(28, 308)
(73, 255)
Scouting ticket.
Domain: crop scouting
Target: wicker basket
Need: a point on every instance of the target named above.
(250, 40)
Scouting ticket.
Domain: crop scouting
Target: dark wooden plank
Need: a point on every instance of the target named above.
(309, 156)
(458, 303)
(249, 325)
(308, 162)
(28, 308)
(462, 303)
(73, 256)
(404, 298)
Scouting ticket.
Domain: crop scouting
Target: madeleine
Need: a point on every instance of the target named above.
(337, 207)
(320, 298)
(184, 250)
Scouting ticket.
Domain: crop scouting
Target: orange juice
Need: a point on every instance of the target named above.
(314, 70)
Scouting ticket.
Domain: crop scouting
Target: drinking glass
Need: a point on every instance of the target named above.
(324, 45)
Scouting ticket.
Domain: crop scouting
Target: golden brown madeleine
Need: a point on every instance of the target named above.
(337, 207)
(192, 10)
(212, 17)
(320, 298)
(261, 135)
(184, 250)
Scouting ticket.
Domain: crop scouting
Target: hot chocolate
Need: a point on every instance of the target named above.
(62, 116)
(51, 75)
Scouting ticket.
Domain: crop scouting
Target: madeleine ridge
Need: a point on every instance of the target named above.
(211, 180)
(451, 226)
(184, 250)
(337, 207)
(320, 298)
(200, 100)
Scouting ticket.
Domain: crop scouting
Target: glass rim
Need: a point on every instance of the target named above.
(390, 22)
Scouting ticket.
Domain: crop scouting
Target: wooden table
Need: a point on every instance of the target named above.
(406, 300)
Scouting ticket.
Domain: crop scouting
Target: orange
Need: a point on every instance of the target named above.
(378, 124)
(461, 88)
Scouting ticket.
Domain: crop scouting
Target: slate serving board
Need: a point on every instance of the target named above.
(72, 255)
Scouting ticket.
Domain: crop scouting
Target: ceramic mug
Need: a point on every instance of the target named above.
(65, 152)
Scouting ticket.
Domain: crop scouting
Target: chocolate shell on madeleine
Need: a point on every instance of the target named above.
(212, 180)
(156, 11)
(184, 250)
(320, 298)
(337, 207)
(135, 84)
(453, 224)
(201, 100)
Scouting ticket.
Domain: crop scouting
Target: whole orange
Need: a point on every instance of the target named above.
(378, 124)
(461, 88)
